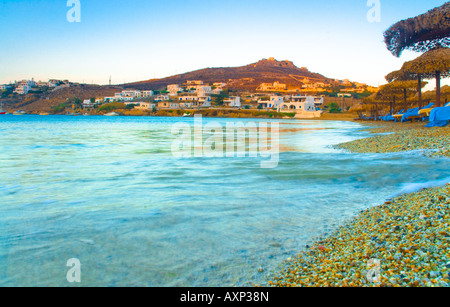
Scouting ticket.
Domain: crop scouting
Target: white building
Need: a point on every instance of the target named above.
(344, 95)
(41, 84)
(303, 106)
(22, 89)
(203, 90)
(174, 89)
(169, 105)
(144, 105)
(130, 93)
(162, 98)
(196, 100)
(203, 102)
(233, 102)
(109, 99)
(4, 87)
(146, 94)
(273, 102)
(52, 83)
(188, 98)
(186, 104)
(194, 82)
(217, 91)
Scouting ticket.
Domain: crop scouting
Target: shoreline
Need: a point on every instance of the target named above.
(216, 113)
(403, 242)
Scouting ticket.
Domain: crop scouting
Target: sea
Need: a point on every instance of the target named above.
(112, 194)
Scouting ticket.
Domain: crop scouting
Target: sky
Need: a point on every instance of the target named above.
(137, 40)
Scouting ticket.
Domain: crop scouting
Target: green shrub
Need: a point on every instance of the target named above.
(112, 107)
(334, 108)
(59, 108)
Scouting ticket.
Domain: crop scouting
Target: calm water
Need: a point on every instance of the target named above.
(108, 191)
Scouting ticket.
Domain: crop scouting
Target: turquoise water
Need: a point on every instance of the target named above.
(108, 191)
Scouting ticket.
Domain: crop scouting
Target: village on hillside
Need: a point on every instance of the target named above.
(307, 101)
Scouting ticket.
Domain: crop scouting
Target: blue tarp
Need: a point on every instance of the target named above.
(409, 113)
(387, 118)
(439, 117)
(430, 105)
(401, 112)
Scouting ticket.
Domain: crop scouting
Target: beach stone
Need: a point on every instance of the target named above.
(434, 274)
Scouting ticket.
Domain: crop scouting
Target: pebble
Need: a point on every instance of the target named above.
(433, 141)
(414, 251)
(408, 234)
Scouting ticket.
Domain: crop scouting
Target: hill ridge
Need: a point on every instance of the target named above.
(247, 77)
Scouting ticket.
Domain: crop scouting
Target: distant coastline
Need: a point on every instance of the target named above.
(218, 113)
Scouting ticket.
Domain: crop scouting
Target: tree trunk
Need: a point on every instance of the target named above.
(438, 89)
(376, 111)
(393, 108)
(405, 99)
(420, 92)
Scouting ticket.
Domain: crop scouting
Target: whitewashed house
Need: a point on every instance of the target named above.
(203, 90)
(162, 98)
(22, 89)
(233, 102)
(144, 105)
(173, 89)
(145, 94)
(202, 102)
(130, 93)
(109, 99)
(194, 82)
(217, 91)
(273, 102)
(186, 104)
(302, 106)
(168, 105)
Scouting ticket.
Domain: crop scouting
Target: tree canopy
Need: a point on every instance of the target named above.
(421, 33)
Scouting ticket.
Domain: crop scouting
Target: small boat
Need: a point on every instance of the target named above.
(44, 114)
(112, 114)
(19, 112)
(2, 112)
(187, 115)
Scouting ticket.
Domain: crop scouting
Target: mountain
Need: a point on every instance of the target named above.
(247, 77)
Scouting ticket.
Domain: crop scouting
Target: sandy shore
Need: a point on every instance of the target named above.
(403, 242)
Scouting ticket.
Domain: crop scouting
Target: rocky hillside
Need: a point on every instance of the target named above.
(45, 100)
(247, 77)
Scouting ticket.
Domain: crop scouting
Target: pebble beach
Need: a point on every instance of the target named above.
(401, 243)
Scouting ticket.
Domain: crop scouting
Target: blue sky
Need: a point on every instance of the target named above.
(142, 39)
